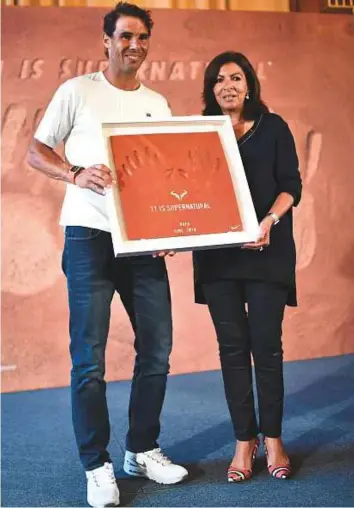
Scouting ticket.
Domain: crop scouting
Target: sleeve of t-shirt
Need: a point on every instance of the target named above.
(287, 163)
(164, 108)
(168, 109)
(58, 118)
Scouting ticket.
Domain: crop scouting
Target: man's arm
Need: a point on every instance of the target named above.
(55, 126)
(45, 159)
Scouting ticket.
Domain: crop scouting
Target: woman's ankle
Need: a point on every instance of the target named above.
(275, 449)
(244, 451)
(273, 441)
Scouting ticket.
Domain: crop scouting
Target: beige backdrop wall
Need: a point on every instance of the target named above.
(306, 69)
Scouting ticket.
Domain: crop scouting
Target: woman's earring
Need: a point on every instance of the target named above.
(247, 95)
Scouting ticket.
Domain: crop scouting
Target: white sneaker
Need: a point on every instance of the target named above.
(102, 489)
(155, 466)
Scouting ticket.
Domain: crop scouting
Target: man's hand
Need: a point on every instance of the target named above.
(96, 178)
(264, 235)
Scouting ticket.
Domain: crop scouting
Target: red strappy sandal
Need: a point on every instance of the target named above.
(278, 471)
(235, 474)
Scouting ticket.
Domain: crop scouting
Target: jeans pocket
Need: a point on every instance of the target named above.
(81, 233)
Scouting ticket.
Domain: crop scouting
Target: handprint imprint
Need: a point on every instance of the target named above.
(148, 159)
(196, 161)
(26, 270)
(304, 216)
(201, 160)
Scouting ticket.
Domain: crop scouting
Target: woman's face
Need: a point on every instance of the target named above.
(231, 88)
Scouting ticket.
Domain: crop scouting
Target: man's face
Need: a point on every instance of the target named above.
(128, 47)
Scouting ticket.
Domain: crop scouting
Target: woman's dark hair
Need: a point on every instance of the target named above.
(126, 9)
(254, 106)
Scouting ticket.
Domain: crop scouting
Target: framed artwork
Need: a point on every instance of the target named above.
(180, 185)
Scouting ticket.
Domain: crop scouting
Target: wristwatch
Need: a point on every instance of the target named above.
(274, 216)
(73, 172)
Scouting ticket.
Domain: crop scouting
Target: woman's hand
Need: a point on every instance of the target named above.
(264, 235)
(164, 253)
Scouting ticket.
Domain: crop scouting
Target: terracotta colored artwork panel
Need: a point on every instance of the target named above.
(174, 185)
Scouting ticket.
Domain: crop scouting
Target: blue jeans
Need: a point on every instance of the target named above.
(93, 275)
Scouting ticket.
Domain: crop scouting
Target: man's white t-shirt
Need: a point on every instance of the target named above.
(74, 116)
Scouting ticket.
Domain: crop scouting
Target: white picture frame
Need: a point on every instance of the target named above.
(185, 125)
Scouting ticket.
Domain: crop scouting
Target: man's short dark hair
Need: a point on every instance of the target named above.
(126, 9)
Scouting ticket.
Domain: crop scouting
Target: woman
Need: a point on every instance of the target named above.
(260, 274)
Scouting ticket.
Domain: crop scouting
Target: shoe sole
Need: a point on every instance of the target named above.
(103, 505)
(108, 505)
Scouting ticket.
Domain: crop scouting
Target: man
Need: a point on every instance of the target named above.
(93, 274)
